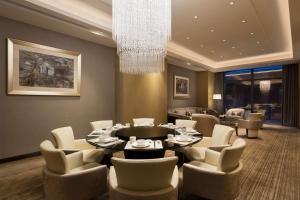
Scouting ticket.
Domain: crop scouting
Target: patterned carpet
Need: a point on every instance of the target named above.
(271, 169)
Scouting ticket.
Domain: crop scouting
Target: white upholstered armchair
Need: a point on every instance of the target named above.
(143, 121)
(101, 124)
(252, 125)
(64, 139)
(185, 123)
(66, 177)
(217, 177)
(151, 179)
(219, 140)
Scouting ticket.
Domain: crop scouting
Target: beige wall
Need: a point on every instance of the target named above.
(141, 96)
(27, 120)
(205, 88)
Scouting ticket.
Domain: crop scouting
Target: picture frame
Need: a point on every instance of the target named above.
(35, 69)
(181, 87)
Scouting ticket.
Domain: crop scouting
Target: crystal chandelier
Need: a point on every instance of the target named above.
(265, 86)
(141, 29)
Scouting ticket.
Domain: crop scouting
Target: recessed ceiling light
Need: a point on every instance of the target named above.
(212, 30)
(196, 17)
(224, 40)
(258, 42)
(187, 38)
(251, 33)
(188, 63)
(244, 21)
(221, 56)
(231, 3)
(233, 47)
(98, 33)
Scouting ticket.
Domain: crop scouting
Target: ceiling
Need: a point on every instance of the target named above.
(206, 34)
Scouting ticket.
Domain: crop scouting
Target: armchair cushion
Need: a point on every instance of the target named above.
(74, 160)
(195, 153)
(83, 145)
(205, 142)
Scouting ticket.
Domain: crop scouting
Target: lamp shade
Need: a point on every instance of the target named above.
(217, 96)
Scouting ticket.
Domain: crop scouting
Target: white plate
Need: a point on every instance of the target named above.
(136, 145)
(181, 139)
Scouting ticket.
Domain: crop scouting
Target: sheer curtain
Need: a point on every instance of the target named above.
(290, 105)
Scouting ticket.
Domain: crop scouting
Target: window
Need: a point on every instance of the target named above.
(255, 90)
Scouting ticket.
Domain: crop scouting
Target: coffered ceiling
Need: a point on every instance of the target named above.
(213, 35)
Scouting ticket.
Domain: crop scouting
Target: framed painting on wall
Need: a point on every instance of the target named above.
(35, 69)
(181, 87)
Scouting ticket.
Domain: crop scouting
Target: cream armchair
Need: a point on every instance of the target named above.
(101, 124)
(217, 177)
(232, 116)
(64, 138)
(252, 124)
(143, 122)
(149, 179)
(205, 123)
(66, 177)
(185, 123)
(219, 140)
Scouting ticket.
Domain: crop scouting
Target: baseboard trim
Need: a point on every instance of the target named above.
(20, 157)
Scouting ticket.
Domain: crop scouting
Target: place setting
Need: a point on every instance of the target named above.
(143, 144)
(105, 140)
(182, 139)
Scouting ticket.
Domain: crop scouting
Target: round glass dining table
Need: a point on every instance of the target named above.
(153, 133)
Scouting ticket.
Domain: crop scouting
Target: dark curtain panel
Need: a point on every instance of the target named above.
(290, 95)
(218, 89)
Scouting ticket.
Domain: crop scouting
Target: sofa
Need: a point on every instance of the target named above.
(187, 112)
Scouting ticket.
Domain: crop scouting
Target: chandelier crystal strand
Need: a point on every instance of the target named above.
(141, 29)
(265, 86)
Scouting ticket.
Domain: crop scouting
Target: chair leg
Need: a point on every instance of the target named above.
(236, 131)
(247, 132)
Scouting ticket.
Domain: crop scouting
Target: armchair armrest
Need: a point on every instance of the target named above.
(74, 160)
(219, 148)
(175, 178)
(83, 145)
(69, 151)
(212, 157)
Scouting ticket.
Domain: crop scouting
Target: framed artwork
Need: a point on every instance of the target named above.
(181, 87)
(35, 69)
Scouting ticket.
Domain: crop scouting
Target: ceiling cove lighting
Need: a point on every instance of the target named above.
(141, 34)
